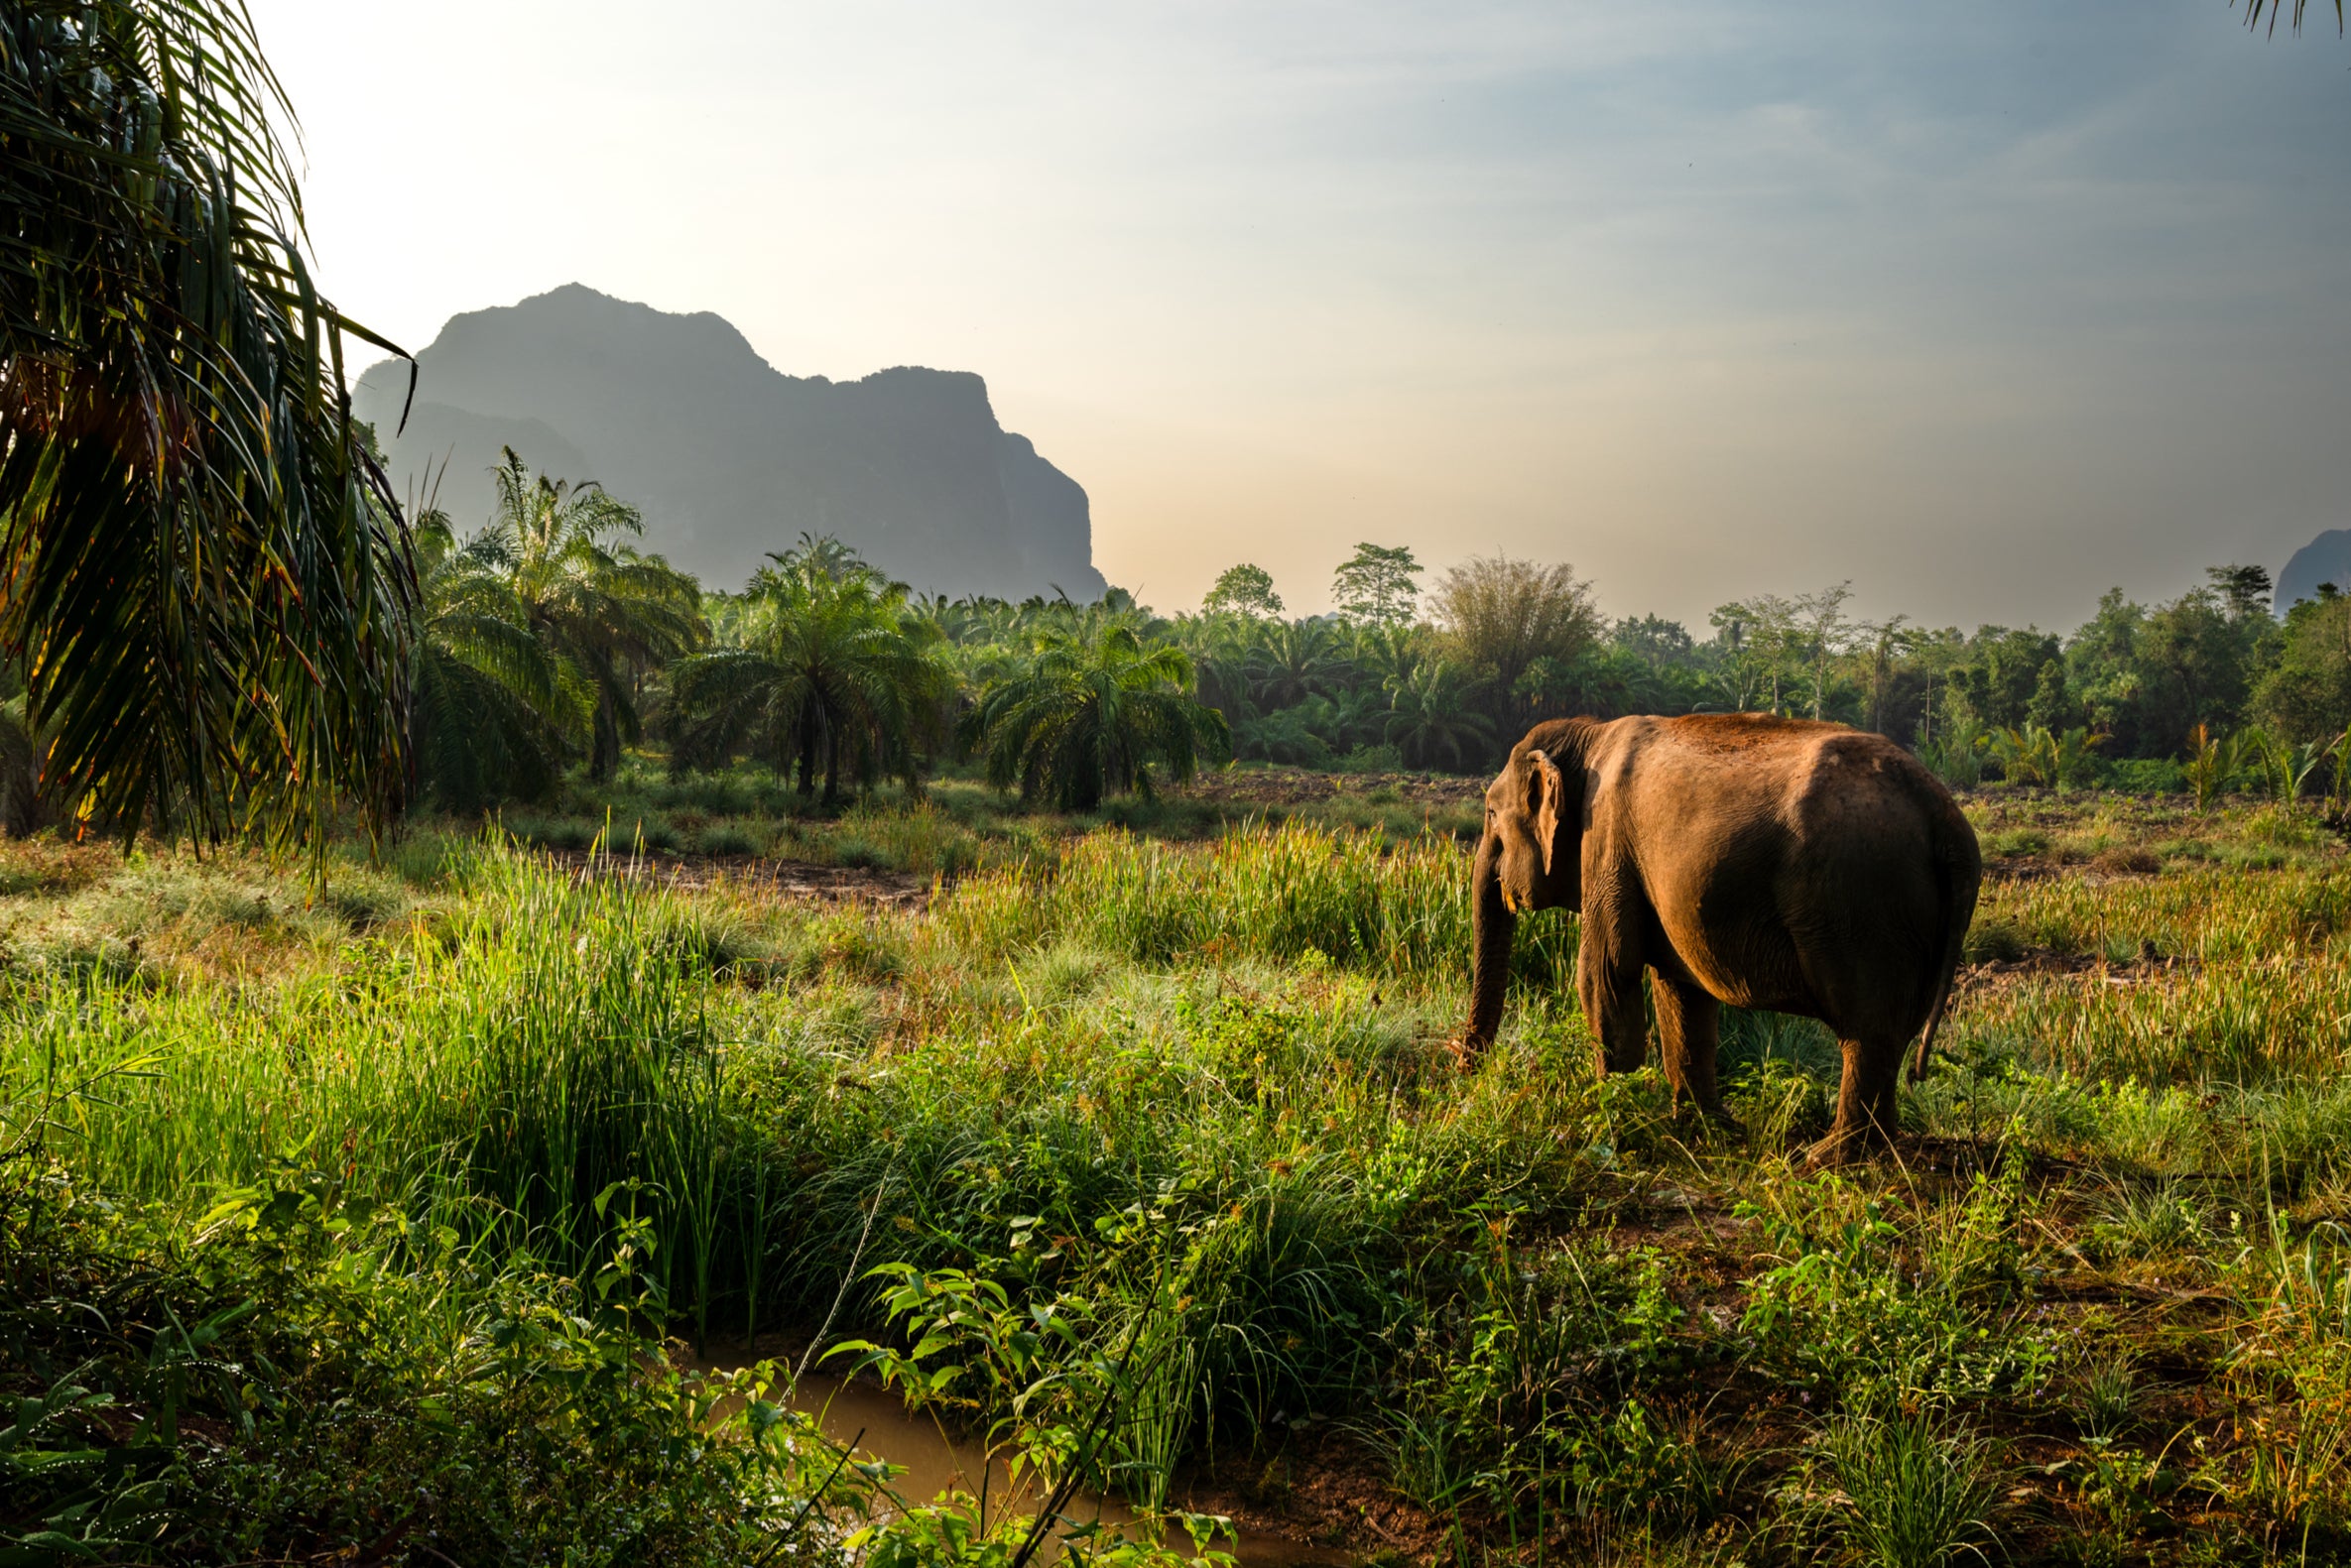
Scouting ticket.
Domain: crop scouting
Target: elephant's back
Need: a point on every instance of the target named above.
(1796, 853)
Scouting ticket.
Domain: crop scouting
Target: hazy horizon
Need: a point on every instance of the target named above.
(1984, 311)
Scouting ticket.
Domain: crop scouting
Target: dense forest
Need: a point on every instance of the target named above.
(550, 639)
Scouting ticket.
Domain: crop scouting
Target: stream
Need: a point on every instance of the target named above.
(933, 1463)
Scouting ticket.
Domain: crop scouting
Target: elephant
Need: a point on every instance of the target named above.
(1785, 864)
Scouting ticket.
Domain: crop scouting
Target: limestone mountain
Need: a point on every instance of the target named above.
(728, 458)
(2326, 559)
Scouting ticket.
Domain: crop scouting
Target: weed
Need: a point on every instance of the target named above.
(1910, 1490)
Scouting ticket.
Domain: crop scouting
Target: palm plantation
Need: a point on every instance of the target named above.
(496, 705)
(610, 611)
(835, 674)
(1092, 716)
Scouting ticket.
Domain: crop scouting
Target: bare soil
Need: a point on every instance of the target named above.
(1300, 786)
(782, 879)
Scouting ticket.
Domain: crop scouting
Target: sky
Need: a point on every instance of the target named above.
(1985, 308)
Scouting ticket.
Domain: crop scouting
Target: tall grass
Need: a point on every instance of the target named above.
(549, 1041)
(1281, 893)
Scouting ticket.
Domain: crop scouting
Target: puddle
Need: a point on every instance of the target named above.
(933, 1464)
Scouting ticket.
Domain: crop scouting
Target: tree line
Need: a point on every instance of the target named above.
(549, 641)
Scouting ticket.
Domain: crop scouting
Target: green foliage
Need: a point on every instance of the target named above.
(1910, 1489)
(1842, 1312)
(1089, 719)
(608, 611)
(2306, 696)
(497, 707)
(1497, 615)
(2039, 755)
(1243, 590)
(830, 672)
(1377, 585)
(209, 590)
(295, 1372)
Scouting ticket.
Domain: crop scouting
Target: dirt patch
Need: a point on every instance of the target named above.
(1300, 787)
(1317, 1484)
(2042, 963)
(780, 878)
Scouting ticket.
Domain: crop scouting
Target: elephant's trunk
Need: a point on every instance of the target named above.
(1492, 926)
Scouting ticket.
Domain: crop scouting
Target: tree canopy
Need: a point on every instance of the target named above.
(205, 581)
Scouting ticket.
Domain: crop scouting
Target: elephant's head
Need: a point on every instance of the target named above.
(1529, 857)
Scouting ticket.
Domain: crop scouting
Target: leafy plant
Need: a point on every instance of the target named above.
(1093, 718)
(832, 673)
(1910, 1491)
(2215, 764)
(209, 586)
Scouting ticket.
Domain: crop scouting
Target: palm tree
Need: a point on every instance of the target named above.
(609, 611)
(495, 707)
(1434, 721)
(1295, 660)
(1091, 717)
(836, 671)
(205, 581)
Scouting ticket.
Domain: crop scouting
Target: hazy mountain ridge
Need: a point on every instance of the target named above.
(2326, 559)
(730, 459)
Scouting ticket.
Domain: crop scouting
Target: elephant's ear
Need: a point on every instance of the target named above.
(1552, 810)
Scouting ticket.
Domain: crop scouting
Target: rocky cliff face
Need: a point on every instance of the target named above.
(729, 459)
(2326, 559)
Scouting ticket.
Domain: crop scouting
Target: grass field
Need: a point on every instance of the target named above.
(1172, 1185)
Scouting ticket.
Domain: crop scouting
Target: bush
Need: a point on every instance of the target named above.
(2145, 775)
(289, 1372)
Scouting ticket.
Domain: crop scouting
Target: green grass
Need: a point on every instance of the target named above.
(1192, 1095)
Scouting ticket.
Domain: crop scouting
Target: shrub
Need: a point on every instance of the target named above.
(1910, 1491)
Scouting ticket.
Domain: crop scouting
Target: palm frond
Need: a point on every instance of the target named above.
(204, 577)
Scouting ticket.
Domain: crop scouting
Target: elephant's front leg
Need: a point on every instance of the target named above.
(1690, 1030)
(1608, 966)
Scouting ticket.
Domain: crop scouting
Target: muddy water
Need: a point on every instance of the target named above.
(935, 1463)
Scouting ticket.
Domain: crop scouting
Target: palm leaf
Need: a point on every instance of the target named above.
(205, 579)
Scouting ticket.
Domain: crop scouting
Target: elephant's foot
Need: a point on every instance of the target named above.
(1844, 1146)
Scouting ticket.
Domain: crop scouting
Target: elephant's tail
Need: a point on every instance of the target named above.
(1958, 874)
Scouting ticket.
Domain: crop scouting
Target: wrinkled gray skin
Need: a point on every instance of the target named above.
(1767, 863)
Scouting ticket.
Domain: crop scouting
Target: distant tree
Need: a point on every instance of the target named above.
(208, 590)
(607, 609)
(1760, 640)
(1092, 717)
(1820, 623)
(1434, 720)
(2244, 591)
(1880, 647)
(2194, 658)
(1377, 585)
(835, 674)
(495, 705)
(1294, 660)
(1243, 590)
(1498, 616)
(1995, 687)
(2308, 695)
(2103, 671)
(1656, 643)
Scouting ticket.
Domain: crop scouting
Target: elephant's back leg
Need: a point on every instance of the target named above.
(1868, 1106)
(1867, 931)
(1866, 915)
